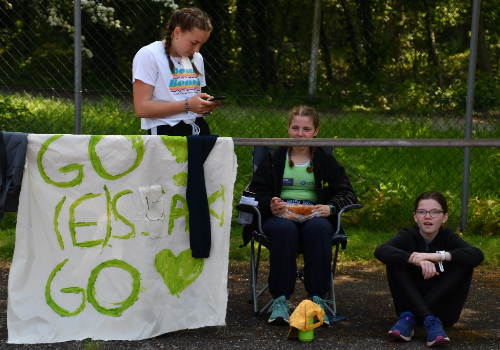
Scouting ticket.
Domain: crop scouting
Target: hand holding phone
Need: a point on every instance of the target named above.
(216, 98)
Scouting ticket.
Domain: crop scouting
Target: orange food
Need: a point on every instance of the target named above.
(300, 209)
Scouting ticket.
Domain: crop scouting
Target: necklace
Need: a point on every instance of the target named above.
(178, 59)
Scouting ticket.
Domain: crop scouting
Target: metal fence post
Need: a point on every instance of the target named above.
(313, 67)
(78, 67)
(469, 109)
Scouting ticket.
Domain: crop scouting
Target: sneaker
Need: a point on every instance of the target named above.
(435, 333)
(321, 303)
(404, 328)
(280, 311)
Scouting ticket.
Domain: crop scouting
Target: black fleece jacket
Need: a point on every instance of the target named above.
(332, 184)
(398, 249)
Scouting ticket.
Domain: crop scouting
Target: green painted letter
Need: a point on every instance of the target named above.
(177, 145)
(176, 213)
(212, 199)
(137, 144)
(118, 216)
(73, 225)
(134, 295)
(74, 290)
(64, 169)
(56, 223)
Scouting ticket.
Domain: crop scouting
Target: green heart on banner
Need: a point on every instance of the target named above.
(178, 272)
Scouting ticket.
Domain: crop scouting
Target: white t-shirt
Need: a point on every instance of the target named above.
(151, 66)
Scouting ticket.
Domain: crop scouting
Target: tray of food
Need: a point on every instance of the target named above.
(299, 212)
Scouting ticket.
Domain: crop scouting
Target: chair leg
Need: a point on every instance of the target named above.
(331, 293)
(253, 277)
(257, 263)
(250, 280)
(265, 307)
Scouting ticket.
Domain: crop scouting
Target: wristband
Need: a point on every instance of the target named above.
(332, 210)
(187, 109)
(443, 257)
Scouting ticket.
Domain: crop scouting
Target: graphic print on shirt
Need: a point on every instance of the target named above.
(184, 81)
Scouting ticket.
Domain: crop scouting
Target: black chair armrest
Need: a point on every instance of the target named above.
(247, 208)
(256, 226)
(342, 211)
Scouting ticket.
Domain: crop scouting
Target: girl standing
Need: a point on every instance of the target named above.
(429, 269)
(168, 76)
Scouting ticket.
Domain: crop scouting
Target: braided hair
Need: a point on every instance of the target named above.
(310, 168)
(186, 19)
(303, 111)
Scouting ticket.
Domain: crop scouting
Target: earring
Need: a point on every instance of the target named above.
(176, 39)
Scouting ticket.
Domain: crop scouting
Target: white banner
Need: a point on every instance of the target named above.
(102, 247)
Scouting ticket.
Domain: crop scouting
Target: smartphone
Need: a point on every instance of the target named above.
(216, 98)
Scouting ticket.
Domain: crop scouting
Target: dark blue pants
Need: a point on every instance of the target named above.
(285, 236)
(441, 296)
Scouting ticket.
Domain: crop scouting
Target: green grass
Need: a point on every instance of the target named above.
(360, 247)
(361, 244)
(90, 344)
(7, 236)
(386, 179)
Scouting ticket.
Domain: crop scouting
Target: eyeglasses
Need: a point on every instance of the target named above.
(434, 213)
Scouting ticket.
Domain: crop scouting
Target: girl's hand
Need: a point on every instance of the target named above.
(323, 209)
(197, 104)
(428, 269)
(277, 205)
(416, 258)
(214, 105)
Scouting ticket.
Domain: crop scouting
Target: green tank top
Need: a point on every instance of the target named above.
(298, 183)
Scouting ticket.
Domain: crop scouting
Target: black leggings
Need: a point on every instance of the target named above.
(183, 129)
(285, 236)
(441, 296)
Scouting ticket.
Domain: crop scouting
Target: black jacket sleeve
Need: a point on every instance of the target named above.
(340, 192)
(395, 250)
(462, 252)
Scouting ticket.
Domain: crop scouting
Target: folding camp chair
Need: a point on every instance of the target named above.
(252, 232)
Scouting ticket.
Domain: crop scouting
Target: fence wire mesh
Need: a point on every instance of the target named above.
(386, 69)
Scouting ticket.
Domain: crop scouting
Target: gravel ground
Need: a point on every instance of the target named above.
(362, 295)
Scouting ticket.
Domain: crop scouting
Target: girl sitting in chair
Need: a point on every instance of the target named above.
(304, 175)
(425, 293)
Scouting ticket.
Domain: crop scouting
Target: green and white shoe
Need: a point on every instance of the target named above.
(321, 303)
(280, 311)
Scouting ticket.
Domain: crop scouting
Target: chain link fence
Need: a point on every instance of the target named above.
(385, 69)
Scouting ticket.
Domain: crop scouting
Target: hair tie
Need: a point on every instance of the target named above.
(192, 60)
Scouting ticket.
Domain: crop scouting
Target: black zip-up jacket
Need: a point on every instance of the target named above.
(332, 184)
(398, 249)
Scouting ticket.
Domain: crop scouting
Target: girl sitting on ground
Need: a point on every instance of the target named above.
(429, 269)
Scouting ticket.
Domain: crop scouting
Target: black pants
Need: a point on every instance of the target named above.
(315, 237)
(441, 296)
(183, 129)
